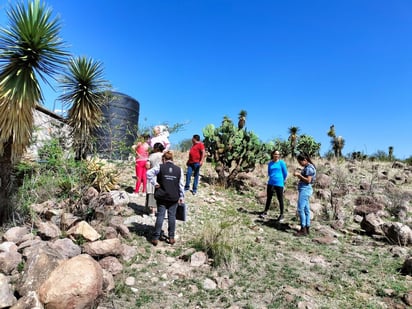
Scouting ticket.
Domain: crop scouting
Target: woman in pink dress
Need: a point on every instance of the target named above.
(142, 156)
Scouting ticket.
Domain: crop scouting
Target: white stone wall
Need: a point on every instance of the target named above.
(46, 128)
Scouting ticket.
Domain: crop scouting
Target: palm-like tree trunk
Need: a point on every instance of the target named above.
(5, 181)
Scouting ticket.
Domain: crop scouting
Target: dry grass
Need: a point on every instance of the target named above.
(267, 265)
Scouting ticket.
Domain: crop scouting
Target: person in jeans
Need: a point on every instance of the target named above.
(278, 173)
(167, 178)
(306, 178)
(197, 156)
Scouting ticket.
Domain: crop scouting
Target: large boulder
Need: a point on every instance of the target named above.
(75, 283)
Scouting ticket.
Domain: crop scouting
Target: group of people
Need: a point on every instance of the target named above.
(278, 173)
(157, 173)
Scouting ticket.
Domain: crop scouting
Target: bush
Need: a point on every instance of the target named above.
(216, 239)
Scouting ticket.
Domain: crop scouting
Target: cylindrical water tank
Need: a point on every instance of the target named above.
(119, 127)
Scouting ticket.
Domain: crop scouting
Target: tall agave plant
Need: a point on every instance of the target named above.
(30, 48)
(84, 93)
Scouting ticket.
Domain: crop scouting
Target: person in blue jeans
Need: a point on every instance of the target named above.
(306, 177)
(197, 156)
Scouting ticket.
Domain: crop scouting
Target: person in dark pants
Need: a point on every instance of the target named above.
(167, 178)
(197, 156)
(278, 173)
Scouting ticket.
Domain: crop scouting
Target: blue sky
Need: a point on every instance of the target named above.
(299, 63)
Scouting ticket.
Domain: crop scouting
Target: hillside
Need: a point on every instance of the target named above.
(338, 266)
(358, 254)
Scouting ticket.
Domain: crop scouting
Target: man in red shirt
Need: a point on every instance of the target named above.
(197, 156)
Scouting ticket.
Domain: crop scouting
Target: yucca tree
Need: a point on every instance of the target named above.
(293, 137)
(390, 152)
(84, 93)
(337, 142)
(30, 48)
(331, 132)
(242, 119)
(337, 145)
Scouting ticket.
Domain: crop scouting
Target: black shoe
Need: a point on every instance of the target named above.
(263, 215)
(280, 218)
(154, 242)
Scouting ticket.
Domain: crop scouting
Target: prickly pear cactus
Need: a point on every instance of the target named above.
(307, 144)
(233, 150)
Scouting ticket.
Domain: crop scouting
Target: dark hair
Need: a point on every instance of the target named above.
(158, 146)
(304, 156)
(196, 137)
(273, 152)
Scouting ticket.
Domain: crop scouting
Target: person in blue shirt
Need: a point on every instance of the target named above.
(277, 172)
(306, 178)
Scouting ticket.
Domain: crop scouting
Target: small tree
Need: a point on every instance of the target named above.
(390, 152)
(84, 93)
(185, 144)
(293, 138)
(337, 142)
(233, 150)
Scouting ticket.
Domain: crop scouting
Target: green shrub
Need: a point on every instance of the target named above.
(55, 177)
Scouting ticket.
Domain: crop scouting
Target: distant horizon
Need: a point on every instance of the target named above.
(174, 145)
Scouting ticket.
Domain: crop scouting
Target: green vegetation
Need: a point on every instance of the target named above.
(263, 263)
(84, 93)
(233, 150)
(337, 142)
(30, 49)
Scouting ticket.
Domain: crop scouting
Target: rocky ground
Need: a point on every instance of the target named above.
(358, 254)
(339, 265)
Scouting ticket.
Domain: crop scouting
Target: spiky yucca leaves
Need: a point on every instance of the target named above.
(242, 119)
(84, 93)
(101, 175)
(337, 145)
(29, 48)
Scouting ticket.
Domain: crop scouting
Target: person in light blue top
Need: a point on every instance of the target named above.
(307, 177)
(277, 172)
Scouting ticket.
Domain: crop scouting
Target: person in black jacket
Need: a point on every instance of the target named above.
(167, 178)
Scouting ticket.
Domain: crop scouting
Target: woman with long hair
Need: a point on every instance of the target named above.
(306, 177)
